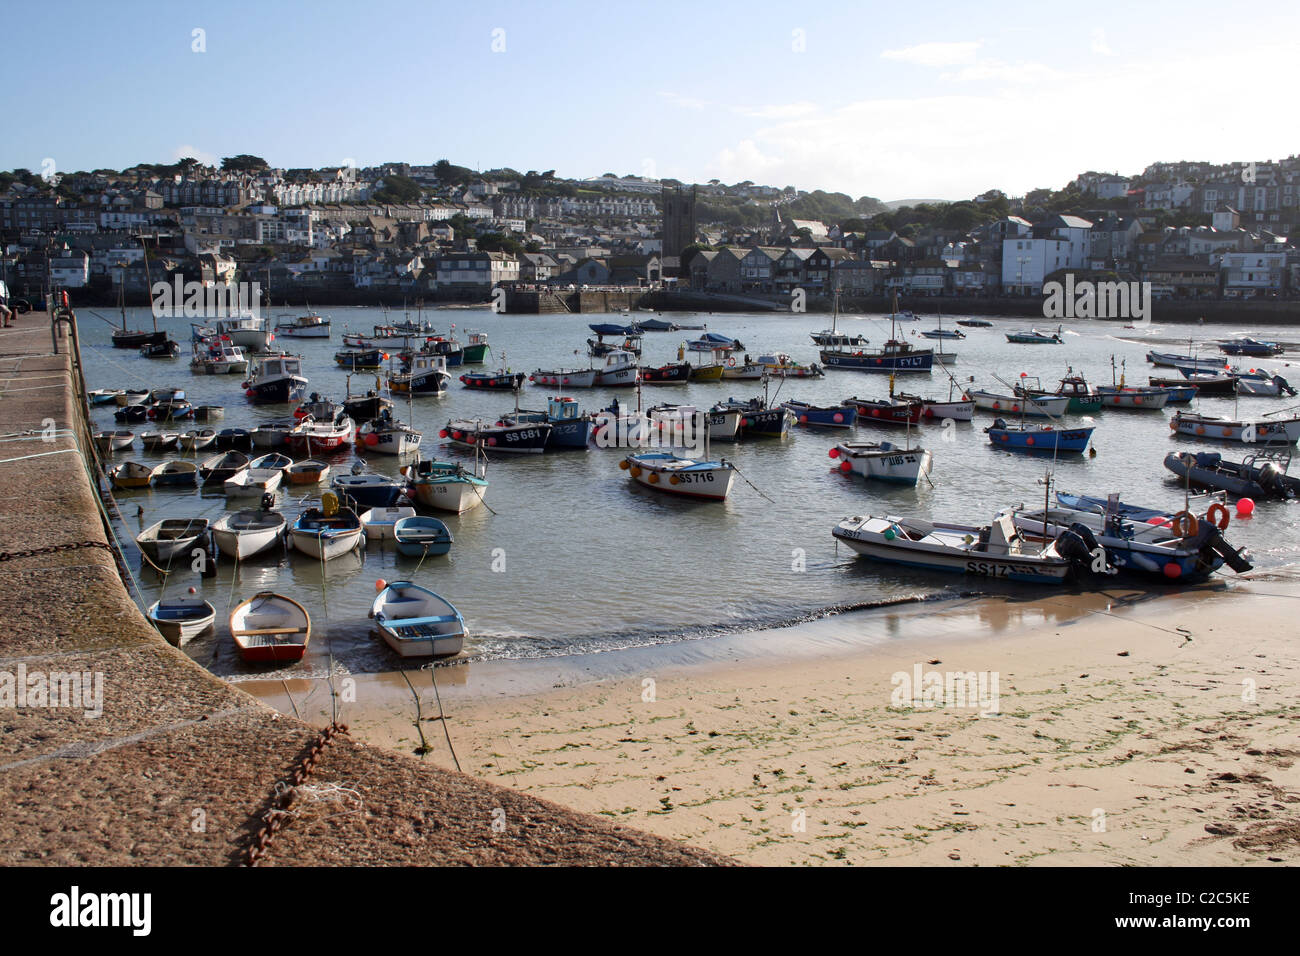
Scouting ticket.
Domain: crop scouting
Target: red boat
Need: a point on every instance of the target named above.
(886, 411)
(270, 628)
(666, 374)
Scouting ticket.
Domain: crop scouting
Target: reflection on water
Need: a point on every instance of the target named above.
(573, 558)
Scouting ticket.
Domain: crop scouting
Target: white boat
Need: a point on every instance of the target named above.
(1128, 396)
(270, 628)
(565, 377)
(941, 410)
(378, 522)
(243, 534)
(218, 356)
(314, 437)
(197, 439)
(882, 461)
(446, 485)
(253, 482)
(159, 441)
(621, 368)
(688, 477)
(277, 379)
(175, 473)
(171, 538)
(1048, 406)
(1263, 431)
(389, 437)
(272, 434)
(328, 531)
(416, 622)
(109, 442)
(997, 550)
(182, 619)
(248, 332)
(310, 326)
(427, 375)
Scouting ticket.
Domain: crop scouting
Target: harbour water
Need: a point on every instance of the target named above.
(572, 558)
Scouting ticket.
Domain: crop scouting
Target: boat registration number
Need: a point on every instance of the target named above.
(528, 435)
(686, 478)
(992, 570)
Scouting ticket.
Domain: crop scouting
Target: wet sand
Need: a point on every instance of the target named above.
(1124, 733)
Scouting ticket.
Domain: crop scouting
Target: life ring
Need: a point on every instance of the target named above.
(731, 361)
(1222, 521)
(1185, 524)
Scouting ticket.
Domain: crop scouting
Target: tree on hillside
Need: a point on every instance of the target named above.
(398, 189)
(244, 163)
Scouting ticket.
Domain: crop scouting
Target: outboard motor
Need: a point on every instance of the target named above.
(268, 501)
(1283, 385)
(998, 423)
(1079, 546)
(1269, 473)
(1210, 542)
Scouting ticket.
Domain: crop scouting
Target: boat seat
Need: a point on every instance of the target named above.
(412, 621)
(271, 630)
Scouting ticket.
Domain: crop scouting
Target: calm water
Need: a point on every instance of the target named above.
(593, 562)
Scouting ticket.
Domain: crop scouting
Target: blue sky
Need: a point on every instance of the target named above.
(892, 100)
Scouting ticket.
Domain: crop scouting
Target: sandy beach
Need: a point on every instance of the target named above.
(1115, 732)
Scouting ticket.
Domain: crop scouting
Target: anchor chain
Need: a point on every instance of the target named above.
(278, 814)
(53, 549)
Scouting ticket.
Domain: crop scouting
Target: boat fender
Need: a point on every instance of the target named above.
(1222, 521)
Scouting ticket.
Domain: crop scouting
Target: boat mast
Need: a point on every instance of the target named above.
(149, 286)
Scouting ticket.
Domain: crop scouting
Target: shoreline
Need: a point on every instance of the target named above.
(1116, 707)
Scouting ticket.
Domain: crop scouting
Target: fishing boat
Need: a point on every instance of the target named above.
(1132, 546)
(125, 338)
(1035, 337)
(759, 419)
(249, 332)
(171, 538)
(1048, 406)
(109, 442)
(688, 477)
(130, 474)
(1083, 400)
(1024, 437)
(944, 334)
(160, 350)
(180, 620)
(448, 349)
(1207, 384)
(671, 374)
(1134, 397)
(378, 522)
(566, 377)
(715, 342)
(235, 438)
(833, 337)
(1269, 386)
(309, 326)
(418, 536)
(247, 533)
(313, 437)
(426, 375)
(895, 356)
(388, 436)
(270, 628)
(620, 370)
(175, 473)
(105, 396)
(159, 441)
(825, 416)
(975, 323)
(570, 428)
(476, 347)
(1262, 475)
(357, 359)
(197, 439)
(598, 347)
(996, 550)
(886, 411)
(221, 466)
(218, 356)
(327, 532)
(362, 489)
(962, 410)
(273, 434)
(499, 381)
(278, 379)
(254, 482)
(209, 413)
(1248, 346)
(310, 471)
(527, 438)
(883, 461)
(367, 405)
(446, 485)
(1280, 431)
(1175, 360)
(416, 622)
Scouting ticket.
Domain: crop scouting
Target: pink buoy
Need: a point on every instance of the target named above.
(838, 418)
(491, 441)
(834, 453)
(845, 467)
(380, 585)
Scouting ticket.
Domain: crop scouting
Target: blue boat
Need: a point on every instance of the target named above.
(895, 357)
(416, 622)
(420, 536)
(1038, 437)
(362, 491)
(608, 328)
(569, 428)
(826, 416)
(1245, 346)
(1180, 395)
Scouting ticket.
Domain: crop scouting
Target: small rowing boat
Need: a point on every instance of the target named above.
(270, 628)
(416, 622)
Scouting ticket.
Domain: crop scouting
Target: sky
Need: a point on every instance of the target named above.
(896, 101)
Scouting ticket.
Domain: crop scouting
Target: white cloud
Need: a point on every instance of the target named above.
(935, 54)
(203, 156)
(1099, 44)
(684, 102)
(777, 111)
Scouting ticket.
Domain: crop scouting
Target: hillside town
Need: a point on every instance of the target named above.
(399, 232)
